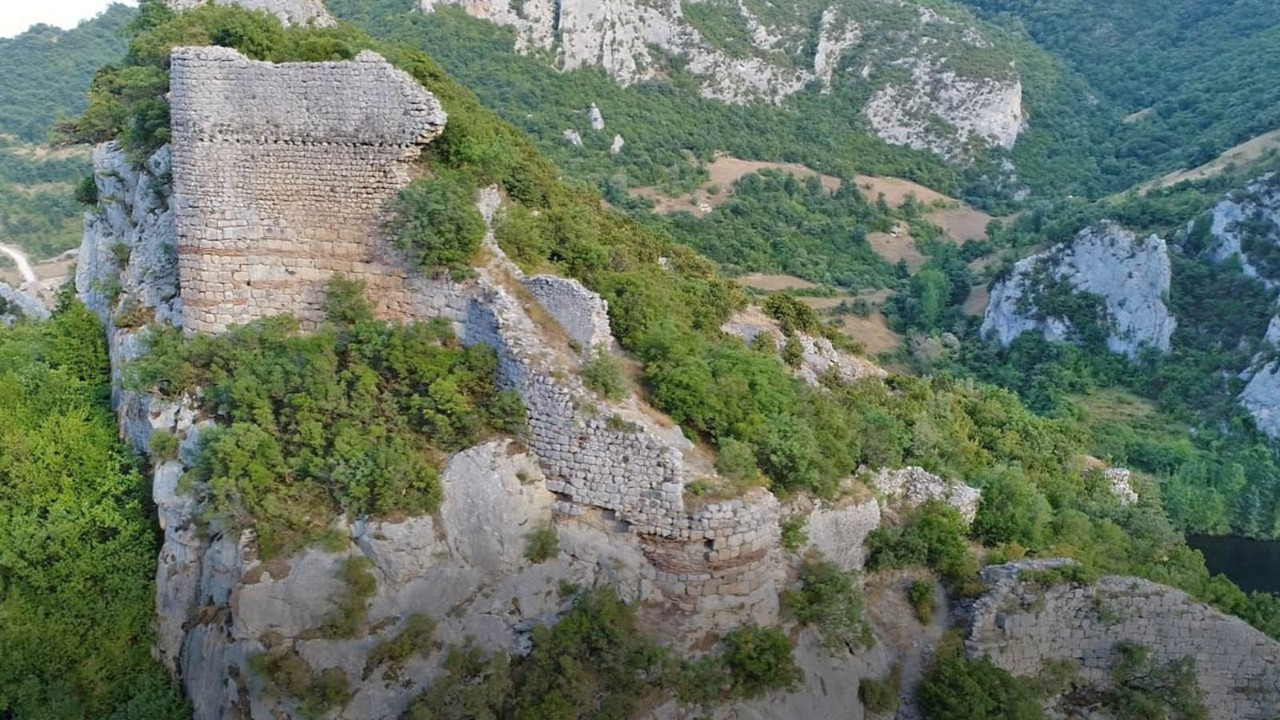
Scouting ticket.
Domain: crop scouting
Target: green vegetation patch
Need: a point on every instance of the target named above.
(77, 547)
(353, 418)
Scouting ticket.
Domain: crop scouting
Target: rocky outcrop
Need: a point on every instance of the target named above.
(1128, 276)
(290, 12)
(1118, 481)
(920, 95)
(17, 305)
(943, 112)
(1020, 624)
(1242, 218)
(818, 357)
(1245, 226)
(911, 487)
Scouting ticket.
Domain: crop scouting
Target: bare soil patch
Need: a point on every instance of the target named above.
(1242, 155)
(775, 283)
(725, 171)
(897, 246)
(976, 303)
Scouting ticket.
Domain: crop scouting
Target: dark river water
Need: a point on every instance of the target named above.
(1251, 564)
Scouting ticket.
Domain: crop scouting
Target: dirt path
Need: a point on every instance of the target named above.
(20, 259)
(895, 620)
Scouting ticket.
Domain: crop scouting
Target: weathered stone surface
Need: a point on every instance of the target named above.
(1118, 481)
(839, 530)
(1020, 626)
(583, 314)
(16, 305)
(911, 487)
(1131, 276)
(290, 12)
(281, 176)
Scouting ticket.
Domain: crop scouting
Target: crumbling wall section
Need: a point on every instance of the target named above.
(1021, 624)
(282, 174)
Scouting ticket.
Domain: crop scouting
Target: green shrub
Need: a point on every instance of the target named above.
(345, 304)
(793, 534)
(792, 315)
(352, 604)
(87, 191)
(415, 638)
(603, 375)
(880, 697)
(829, 600)
(976, 690)
(923, 599)
(163, 446)
(542, 545)
(288, 674)
(1011, 510)
(759, 660)
(474, 686)
(78, 549)
(932, 536)
(435, 221)
(792, 352)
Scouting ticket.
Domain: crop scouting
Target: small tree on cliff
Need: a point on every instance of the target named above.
(434, 221)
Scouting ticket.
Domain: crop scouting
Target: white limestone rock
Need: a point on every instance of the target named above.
(1120, 485)
(573, 138)
(596, 118)
(1258, 205)
(1131, 276)
(618, 144)
(911, 487)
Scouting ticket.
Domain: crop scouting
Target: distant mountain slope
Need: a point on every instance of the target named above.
(45, 72)
(1195, 76)
(932, 78)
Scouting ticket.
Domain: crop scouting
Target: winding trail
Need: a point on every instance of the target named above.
(20, 258)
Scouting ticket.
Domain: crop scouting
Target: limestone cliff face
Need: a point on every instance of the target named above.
(1022, 625)
(1245, 226)
(903, 52)
(1128, 275)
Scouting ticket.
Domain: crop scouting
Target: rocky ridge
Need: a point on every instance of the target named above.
(942, 106)
(1245, 226)
(1130, 277)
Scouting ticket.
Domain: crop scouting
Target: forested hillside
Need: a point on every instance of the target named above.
(1194, 77)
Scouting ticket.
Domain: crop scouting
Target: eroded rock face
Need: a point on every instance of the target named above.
(1021, 625)
(290, 12)
(1130, 276)
(943, 107)
(911, 487)
(1244, 226)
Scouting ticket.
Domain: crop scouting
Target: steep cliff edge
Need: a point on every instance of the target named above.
(1107, 281)
(1245, 228)
(917, 65)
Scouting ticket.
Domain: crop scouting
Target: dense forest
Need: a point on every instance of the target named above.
(1194, 77)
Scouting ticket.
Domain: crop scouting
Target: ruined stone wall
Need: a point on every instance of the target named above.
(584, 315)
(1020, 626)
(282, 174)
